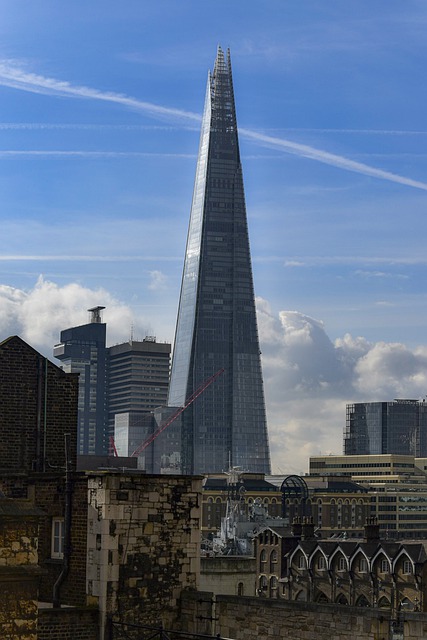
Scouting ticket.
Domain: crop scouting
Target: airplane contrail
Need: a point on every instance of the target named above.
(16, 78)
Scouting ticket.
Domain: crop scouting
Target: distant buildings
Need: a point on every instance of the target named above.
(397, 491)
(82, 350)
(398, 427)
(216, 326)
(119, 385)
(369, 572)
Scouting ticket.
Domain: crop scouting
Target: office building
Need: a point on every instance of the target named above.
(397, 488)
(137, 377)
(127, 382)
(216, 326)
(82, 350)
(398, 427)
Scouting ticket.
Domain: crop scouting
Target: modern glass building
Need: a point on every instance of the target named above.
(82, 350)
(216, 326)
(398, 427)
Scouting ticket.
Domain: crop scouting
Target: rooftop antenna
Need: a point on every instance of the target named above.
(131, 333)
(95, 314)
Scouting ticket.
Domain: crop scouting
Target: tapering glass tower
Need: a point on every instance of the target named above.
(216, 325)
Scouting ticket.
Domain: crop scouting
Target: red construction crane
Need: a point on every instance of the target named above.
(177, 413)
(112, 450)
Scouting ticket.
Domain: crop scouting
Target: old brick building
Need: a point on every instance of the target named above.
(110, 546)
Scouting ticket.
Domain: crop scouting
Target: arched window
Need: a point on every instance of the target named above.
(263, 585)
(341, 599)
(273, 561)
(406, 605)
(262, 560)
(273, 507)
(362, 601)
(301, 561)
(321, 563)
(273, 587)
(384, 603)
(240, 589)
(321, 597)
(342, 565)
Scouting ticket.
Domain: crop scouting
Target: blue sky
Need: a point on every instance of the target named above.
(99, 128)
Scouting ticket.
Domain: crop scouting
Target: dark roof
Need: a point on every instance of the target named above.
(250, 484)
(341, 486)
(282, 532)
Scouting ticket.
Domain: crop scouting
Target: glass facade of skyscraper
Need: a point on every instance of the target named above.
(216, 325)
(398, 427)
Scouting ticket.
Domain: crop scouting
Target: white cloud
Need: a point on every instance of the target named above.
(39, 315)
(309, 380)
(158, 281)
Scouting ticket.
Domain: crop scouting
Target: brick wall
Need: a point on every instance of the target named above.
(68, 624)
(39, 405)
(48, 494)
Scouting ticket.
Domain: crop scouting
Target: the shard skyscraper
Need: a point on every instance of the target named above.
(216, 326)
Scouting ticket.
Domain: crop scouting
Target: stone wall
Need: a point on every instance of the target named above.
(68, 624)
(268, 619)
(19, 572)
(143, 545)
(233, 575)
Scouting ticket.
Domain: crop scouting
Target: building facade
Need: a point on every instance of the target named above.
(398, 427)
(82, 350)
(137, 377)
(396, 485)
(216, 326)
(125, 382)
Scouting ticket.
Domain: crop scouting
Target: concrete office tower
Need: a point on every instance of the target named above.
(398, 427)
(138, 377)
(82, 350)
(216, 326)
(138, 382)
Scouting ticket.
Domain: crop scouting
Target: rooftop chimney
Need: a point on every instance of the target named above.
(95, 314)
(372, 530)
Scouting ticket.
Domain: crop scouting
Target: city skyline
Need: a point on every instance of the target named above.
(99, 124)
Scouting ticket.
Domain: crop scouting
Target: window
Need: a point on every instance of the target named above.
(273, 561)
(384, 566)
(57, 550)
(407, 566)
(363, 565)
(341, 564)
(321, 563)
(240, 589)
(301, 562)
(262, 560)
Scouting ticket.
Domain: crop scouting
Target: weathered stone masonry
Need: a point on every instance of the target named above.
(19, 571)
(269, 619)
(143, 545)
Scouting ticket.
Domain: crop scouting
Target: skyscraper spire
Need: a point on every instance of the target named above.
(216, 326)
